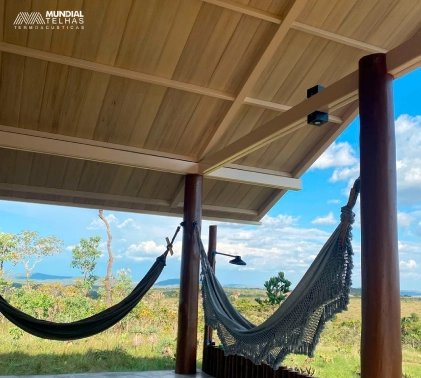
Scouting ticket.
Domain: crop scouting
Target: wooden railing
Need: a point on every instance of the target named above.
(217, 365)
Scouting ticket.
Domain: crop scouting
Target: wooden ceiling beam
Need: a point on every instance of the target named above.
(280, 108)
(245, 176)
(263, 15)
(400, 59)
(11, 192)
(291, 120)
(404, 58)
(115, 71)
(60, 145)
(291, 14)
(71, 147)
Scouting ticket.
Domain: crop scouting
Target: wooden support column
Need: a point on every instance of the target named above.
(381, 353)
(189, 278)
(211, 257)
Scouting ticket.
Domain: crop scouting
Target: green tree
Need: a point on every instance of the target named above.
(31, 249)
(84, 258)
(7, 249)
(277, 288)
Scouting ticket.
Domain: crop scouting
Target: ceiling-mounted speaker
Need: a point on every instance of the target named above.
(316, 118)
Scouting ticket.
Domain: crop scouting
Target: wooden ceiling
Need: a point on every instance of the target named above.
(114, 114)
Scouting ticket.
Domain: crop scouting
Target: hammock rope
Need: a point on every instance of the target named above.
(93, 324)
(295, 327)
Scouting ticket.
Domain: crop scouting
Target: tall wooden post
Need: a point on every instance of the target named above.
(381, 353)
(189, 279)
(207, 339)
(212, 262)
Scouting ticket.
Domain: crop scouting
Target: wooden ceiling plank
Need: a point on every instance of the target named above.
(22, 171)
(150, 106)
(120, 179)
(135, 31)
(246, 45)
(89, 175)
(135, 182)
(39, 170)
(178, 195)
(72, 174)
(41, 40)
(63, 40)
(56, 171)
(207, 114)
(326, 141)
(216, 49)
(181, 27)
(95, 91)
(111, 107)
(11, 88)
(32, 92)
(115, 71)
(113, 25)
(52, 97)
(73, 98)
(128, 115)
(88, 39)
(156, 35)
(280, 34)
(270, 202)
(2, 19)
(342, 89)
(196, 46)
(19, 35)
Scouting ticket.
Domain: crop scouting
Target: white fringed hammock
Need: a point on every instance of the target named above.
(296, 325)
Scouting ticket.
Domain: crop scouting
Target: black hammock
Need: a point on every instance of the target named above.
(93, 324)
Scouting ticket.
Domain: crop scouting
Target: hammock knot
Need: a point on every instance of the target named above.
(162, 259)
(347, 215)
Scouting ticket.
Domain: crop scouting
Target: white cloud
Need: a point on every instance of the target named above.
(337, 155)
(408, 160)
(328, 219)
(404, 219)
(347, 173)
(98, 224)
(70, 247)
(408, 153)
(410, 265)
(334, 201)
(129, 223)
(145, 249)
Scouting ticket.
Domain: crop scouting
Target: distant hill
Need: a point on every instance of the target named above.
(356, 292)
(44, 277)
(170, 282)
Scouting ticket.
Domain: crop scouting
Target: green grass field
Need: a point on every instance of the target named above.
(147, 340)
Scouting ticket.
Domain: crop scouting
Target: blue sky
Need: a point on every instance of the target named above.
(291, 234)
